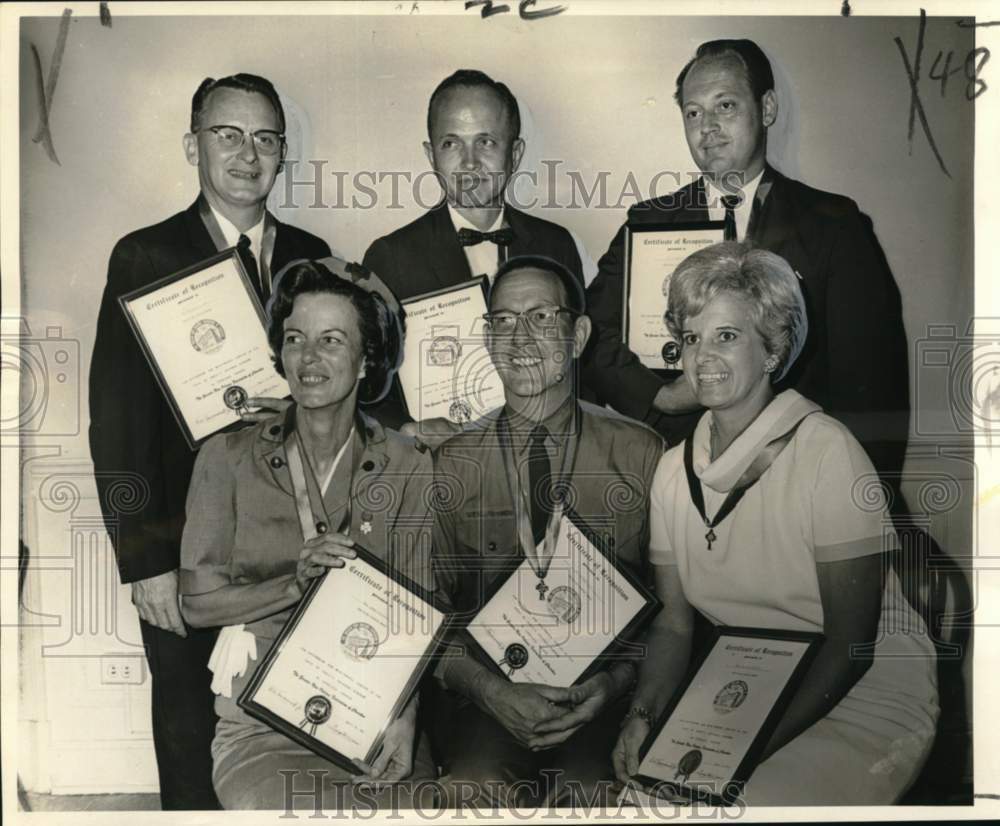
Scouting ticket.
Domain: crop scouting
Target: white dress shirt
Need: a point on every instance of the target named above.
(232, 235)
(717, 212)
(483, 258)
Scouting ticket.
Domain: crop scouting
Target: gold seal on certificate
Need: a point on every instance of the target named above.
(337, 692)
(202, 331)
(652, 253)
(318, 711)
(590, 607)
(235, 398)
(709, 738)
(515, 657)
(447, 372)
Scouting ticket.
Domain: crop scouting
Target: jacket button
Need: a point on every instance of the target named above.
(275, 429)
(277, 461)
(492, 546)
(368, 465)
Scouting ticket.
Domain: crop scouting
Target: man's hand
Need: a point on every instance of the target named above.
(625, 756)
(520, 707)
(156, 600)
(431, 432)
(676, 397)
(587, 700)
(267, 407)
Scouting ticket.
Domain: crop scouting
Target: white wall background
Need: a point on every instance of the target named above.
(595, 94)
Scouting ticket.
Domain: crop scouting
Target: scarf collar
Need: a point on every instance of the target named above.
(783, 413)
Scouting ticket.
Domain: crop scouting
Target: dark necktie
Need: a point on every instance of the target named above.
(730, 202)
(470, 237)
(755, 209)
(539, 482)
(250, 262)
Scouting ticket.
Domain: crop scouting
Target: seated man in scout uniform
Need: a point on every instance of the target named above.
(501, 742)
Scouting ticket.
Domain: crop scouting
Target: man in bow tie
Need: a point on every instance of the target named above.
(474, 146)
(855, 360)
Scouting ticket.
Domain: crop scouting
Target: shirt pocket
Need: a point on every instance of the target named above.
(486, 548)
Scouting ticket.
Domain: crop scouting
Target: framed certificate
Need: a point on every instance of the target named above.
(652, 253)
(560, 630)
(447, 372)
(203, 333)
(348, 660)
(709, 738)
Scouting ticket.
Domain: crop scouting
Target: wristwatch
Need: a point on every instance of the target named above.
(641, 712)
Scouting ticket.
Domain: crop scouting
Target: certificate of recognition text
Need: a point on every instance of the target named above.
(447, 372)
(203, 333)
(347, 662)
(653, 255)
(557, 637)
(709, 737)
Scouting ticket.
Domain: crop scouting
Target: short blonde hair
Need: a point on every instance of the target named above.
(765, 280)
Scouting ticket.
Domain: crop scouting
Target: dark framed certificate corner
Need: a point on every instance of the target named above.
(526, 634)
(337, 694)
(446, 370)
(709, 738)
(652, 252)
(203, 332)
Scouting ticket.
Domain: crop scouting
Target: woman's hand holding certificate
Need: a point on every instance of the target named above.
(327, 550)
(395, 761)
(625, 757)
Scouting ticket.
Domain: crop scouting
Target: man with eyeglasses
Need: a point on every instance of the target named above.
(237, 143)
(506, 743)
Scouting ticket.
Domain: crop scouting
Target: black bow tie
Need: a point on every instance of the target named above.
(470, 237)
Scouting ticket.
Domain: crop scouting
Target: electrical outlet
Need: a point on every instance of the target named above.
(122, 670)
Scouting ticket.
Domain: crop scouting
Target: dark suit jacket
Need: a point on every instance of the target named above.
(855, 361)
(141, 461)
(425, 254)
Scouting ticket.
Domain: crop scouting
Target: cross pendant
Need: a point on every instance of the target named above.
(710, 537)
(542, 588)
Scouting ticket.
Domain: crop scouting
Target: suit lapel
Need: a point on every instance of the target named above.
(684, 206)
(694, 202)
(447, 258)
(283, 252)
(775, 225)
(523, 243)
(199, 239)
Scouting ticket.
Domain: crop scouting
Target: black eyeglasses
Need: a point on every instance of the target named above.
(537, 319)
(232, 138)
